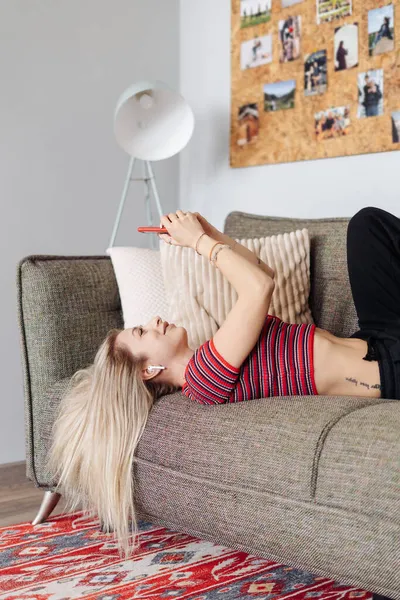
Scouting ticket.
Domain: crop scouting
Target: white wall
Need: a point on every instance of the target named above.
(63, 66)
(328, 187)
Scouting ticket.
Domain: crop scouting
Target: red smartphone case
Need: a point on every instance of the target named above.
(152, 230)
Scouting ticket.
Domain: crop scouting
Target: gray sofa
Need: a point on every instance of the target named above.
(312, 481)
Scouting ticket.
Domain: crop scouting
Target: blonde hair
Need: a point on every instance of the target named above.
(100, 421)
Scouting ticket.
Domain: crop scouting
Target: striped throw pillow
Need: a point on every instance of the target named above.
(199, 297)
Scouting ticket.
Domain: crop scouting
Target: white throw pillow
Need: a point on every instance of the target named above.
(200, 297)
(140, 283)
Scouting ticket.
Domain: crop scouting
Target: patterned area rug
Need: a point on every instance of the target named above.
(62, 559)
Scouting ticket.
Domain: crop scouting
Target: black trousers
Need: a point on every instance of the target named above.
(373, 262)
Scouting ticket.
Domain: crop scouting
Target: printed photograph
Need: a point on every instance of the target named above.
(254, 12)
(332, 123)
(286, 3)
(346, 47)
(381, 30)
(396, 126)
(330, 10)
(315, 73)
(256, 52)
(248, 124)
(289, 38)
(279, 95)
(370, 94)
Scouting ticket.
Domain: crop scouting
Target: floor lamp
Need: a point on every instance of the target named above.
(151, 122)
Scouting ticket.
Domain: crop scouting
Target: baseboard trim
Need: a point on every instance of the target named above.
(13, 464)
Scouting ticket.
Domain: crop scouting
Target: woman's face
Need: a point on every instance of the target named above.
(161, 344)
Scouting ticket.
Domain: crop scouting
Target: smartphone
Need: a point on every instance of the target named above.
(152, 230)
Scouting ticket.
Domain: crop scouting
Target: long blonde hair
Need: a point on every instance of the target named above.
(100, 421)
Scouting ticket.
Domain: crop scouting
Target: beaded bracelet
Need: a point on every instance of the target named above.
(214, 258)
(216, 244)
(204, 233)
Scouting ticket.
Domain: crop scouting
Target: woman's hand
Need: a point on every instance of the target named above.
(208, 228)
(184, 229)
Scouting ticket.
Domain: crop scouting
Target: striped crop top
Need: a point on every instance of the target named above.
(280, 364)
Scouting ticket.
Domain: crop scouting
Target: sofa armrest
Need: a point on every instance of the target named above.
(66, 306)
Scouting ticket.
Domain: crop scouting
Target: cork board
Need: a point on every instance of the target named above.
(313, 79)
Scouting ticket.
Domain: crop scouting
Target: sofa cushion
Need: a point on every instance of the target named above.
(331, 301)
(200, 297)
(268, 444)
(359, 462)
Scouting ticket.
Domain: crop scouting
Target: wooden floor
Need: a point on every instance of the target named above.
(20, 500)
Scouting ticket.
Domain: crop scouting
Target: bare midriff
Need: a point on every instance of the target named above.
(339, 368)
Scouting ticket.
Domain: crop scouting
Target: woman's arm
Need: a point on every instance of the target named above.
(218, 236)
(249, 254)
(243, 273)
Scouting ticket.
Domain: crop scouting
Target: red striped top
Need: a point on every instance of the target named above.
(280, 364)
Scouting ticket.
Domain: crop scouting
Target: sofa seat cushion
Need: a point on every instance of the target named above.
(359, 463)
(267, 445)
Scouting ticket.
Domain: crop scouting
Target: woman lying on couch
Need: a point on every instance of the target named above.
(252, 355)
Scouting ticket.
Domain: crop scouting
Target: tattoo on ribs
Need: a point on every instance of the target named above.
(367, 385)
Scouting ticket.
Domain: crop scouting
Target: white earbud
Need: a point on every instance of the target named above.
(154, 367)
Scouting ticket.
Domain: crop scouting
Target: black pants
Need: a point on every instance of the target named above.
(373, 262)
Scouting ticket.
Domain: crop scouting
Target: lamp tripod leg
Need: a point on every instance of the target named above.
(146, 180)
(154, 188)
(122, 201)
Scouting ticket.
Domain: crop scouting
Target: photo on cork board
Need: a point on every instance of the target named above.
(331, 10)
(286, 3)
(289, 39)
(279, 95)
(370, 94)
(332, 123)
(346, 47)
(256, 52)
(248, 124)
(315, 73)
(381, 30)
(396, 127)
(254, 12)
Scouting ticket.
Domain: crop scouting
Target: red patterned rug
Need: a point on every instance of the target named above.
(61, 559)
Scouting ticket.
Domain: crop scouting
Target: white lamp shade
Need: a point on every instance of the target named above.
(152, 121)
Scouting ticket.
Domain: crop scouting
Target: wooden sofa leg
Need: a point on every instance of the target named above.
(49, 502)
